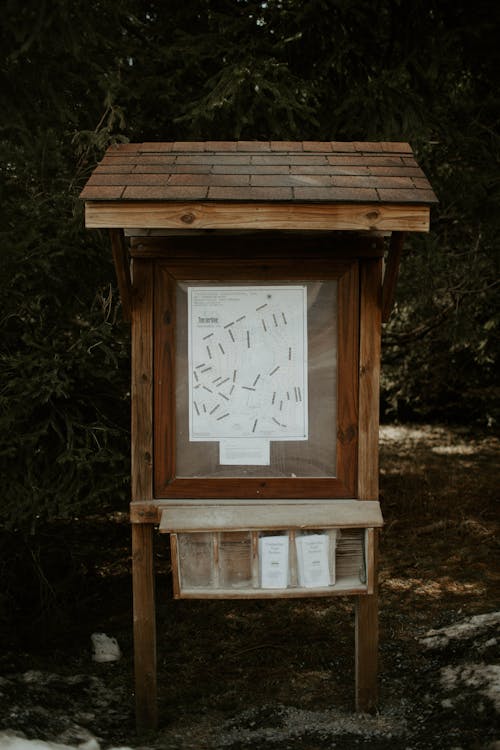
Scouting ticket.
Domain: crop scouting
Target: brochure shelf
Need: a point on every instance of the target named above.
(257, 551)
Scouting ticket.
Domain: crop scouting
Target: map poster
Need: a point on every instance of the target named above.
(247, 363)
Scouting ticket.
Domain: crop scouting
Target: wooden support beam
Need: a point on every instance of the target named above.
(391, 273)
(366, 641)
(144, 627)
(122, 268)
(366, 659)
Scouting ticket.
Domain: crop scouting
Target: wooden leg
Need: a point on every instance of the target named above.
(144, 627)
(366, 652)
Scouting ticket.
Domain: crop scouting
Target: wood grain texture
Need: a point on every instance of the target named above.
(258, 215)
(144, 627)
(142, 381)
(369, 378)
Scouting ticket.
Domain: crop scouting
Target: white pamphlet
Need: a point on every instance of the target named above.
(273, 556)
(313, 560)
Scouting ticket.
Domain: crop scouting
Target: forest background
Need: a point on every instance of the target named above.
(78, 76)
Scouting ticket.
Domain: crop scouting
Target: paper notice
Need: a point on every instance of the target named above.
(245, 452)
(312, 560)
(273, 556)
(248, 362)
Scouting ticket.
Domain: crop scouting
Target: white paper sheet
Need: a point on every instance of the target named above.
(312, 560)
(273, 556)
(244, 452)
(248, 362)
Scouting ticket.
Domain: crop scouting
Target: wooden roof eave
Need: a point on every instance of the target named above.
(182, 215)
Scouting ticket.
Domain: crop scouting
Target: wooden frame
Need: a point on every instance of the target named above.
(268, 268)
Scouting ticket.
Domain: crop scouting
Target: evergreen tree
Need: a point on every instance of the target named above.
(76, 77)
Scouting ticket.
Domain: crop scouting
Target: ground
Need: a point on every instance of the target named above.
(279, 674)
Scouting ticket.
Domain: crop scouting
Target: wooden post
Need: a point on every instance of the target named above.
(142, 490)
(144, 627)
(369, 377)
(366, 645)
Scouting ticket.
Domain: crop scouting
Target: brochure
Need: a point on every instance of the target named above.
(312, 560)
(273, 556)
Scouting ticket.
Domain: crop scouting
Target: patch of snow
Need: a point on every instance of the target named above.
(455, 450)
(447, 703)
(469, 628)
(485, 678)
(13, 741)
(489, 644)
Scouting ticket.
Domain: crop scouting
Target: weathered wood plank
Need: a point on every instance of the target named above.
(240, 516)
(217, 215)
(346, 588)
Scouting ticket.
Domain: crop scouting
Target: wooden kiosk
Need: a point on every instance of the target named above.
(253, 275)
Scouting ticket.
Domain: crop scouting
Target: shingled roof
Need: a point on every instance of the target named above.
(261, 171)
(251, 172)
